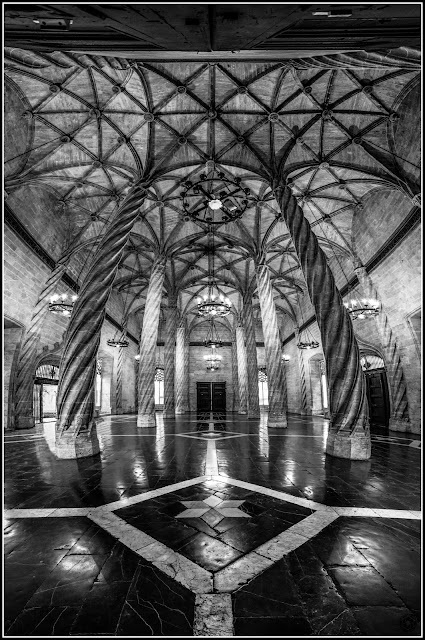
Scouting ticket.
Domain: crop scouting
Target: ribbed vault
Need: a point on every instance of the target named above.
(90, 127)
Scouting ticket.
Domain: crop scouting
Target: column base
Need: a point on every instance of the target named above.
(277, 422)
(355, 447)
(398, 424)
(83, 445)
(24, 422)
(118, 411)
(169, 414)
(146, 420)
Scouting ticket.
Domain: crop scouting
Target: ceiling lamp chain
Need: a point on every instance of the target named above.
(213, 304)
(214, 198)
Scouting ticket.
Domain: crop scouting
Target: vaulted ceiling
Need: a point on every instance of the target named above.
(86, 127)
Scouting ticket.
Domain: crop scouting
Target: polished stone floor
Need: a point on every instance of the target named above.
(212, 525)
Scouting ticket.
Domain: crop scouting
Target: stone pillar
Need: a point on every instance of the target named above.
(399, 419)
(181, 392)
(148, 340)
(75, 428)
(242, 371)
(349, 435)
(275, 369)
(169, 360)
(251, 360)
(304, 408)
(120, 365)
(186, 369)
(235, 380)
(23, 396)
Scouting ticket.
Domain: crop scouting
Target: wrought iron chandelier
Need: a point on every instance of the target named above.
(213, 304)
(213, 360)
(118, 342)
(309, 342)
(212, 338)
(214, 198)
(62, 304)
(361, 308)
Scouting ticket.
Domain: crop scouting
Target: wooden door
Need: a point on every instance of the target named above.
(203, 395)
(218, 396)
(377, 395)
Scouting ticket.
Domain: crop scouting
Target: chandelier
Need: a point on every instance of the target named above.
(308, 342)
(212, 338)
(212, 304)
(362, 308)
(213, 360)
(62, 304)
(118, 342)
(214, 198)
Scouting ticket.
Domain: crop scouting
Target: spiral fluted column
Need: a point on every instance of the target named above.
(148, 340)
(235, 381)
(186, 394)
(120, 365)
(399, 419)
(180, 390)
(251, 360)
(75, 429)
(276, 380)
(169, 360)
(242, 370)
(304, 408)
(349, 435)
(24, 414)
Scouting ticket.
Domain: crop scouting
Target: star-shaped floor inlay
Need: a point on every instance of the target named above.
(212, 509)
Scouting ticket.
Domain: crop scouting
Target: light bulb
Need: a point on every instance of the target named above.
(221, 297)
(74, 298)
(213, 312)
(64, 296)
(361, 316)
(346, 305)
(54, 297)
(213, 296)
(365, 301)
(205, 297)
(353, 302)
(215, 204)
(199, 300)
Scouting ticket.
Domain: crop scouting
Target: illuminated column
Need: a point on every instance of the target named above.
(148, 340)
(251, 360)
(180, 379)
(399, 419)
(235, 380)
(75, 428)
(304, 408)
(169, 360)
(273, 350)
(349, 435)
(242, 371)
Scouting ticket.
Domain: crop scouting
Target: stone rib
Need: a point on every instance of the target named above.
(75, 398)
(275, 371)
(148, 340)
(349, 435)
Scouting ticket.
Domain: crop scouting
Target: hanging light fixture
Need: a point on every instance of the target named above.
(118, 342)
(213, 360)
(213, 303)
(361, 308)
(285, 357)
(308, 342)
(212, 338)
(214, 198)
(62, 304)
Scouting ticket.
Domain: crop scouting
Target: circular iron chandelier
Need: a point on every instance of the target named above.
(214, 198)
(62, 304)
(310, 344)
(118, 342)
(212, 304)
(212, 338)
(213, 360)
(361, 309)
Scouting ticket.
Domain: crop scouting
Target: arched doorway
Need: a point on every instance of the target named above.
(263, 389)
(45, 392)
(318, 386)
(376, 388)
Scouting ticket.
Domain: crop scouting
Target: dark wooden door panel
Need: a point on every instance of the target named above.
(203, 396)
(377, 395)
(219, 396)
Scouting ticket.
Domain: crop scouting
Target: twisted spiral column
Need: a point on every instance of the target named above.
(120, 364)
(242, 370)
(186, 395)
(148, 340)
(23, 405)
(75, 429)
(169, 361)
(251, 360)
(136, 386)
(235, 380)
(349, 435)
(275, 370)
(304, 408)
(181, 393)
(399, 419)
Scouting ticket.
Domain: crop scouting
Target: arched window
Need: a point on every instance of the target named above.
(369, 362)
(47, 372)
(159, 386)
(263, 389)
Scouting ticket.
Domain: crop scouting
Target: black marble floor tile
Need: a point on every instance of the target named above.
(362, 586)
(43, 622)
(210, 553)
(387, 621)
(269, 627)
